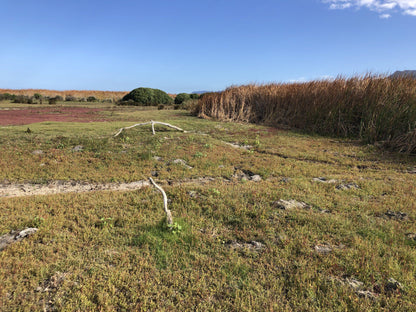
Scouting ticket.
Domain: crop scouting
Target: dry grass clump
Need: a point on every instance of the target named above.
(371, 108)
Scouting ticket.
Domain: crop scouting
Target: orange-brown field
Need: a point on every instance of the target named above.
(77, 93)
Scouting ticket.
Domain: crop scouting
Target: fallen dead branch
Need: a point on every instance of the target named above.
(169, 219)
(151, 122)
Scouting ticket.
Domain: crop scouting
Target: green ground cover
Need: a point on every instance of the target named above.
(236, 250)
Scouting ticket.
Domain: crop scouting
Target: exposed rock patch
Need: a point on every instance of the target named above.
(411, 236)
(78, 148)
(396, 215)
(323, 249)
(290, 204)
(236, 145)
(356, 285)
(393, 285)
(250, 246)
(347, 186)
(15, 236)
(182, 162)
(245, 175)
(324, 180)
(57, 187)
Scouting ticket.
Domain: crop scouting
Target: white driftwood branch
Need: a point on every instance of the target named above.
(169, 219)
(153, 123)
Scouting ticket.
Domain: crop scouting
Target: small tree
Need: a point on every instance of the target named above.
(182, 97)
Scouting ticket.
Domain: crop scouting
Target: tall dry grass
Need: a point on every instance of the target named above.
(371, 108)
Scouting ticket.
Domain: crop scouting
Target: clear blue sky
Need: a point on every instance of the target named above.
(189, 45)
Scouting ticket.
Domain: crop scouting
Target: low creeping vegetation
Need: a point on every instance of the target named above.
(264, 219)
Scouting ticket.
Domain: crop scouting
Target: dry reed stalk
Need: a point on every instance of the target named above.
(371, 108)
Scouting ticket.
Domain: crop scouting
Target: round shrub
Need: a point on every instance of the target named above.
(70, 98)
(194, 96)
(182, 97)
(147, 96)
(91, 99)
(160, 106)
(53, 100)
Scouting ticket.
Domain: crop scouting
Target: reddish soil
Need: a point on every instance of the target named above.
(27, 116)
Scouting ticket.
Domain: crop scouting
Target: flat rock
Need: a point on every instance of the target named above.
(393, 285)
(290, 204)
(252, 245)
(411, 236)
(157, 158)
(366, 294)
(348, 186)
(324, 180)
(78, 148)
(255, 178)
(182, 162)
(37, 152)
(323, 249)
(15, 236)
(236, 145)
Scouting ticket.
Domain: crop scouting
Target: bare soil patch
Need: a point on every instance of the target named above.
(27, 116)
(58, 187)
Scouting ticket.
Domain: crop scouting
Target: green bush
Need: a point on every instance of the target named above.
(70, 98)
(91, 99)
(194, 96)
(55, 99)
(7, 96)
(182, 97)
(146, 97)
(160, 106)
(22, 99)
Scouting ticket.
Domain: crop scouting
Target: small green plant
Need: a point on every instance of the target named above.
(216, 192)
(37, 222)
(199, 155)
(257, 141)
(105, 223)
(175, 228)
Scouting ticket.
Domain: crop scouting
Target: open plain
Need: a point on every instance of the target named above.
(265, 219)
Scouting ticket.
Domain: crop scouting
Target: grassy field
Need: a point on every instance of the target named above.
(233, 247)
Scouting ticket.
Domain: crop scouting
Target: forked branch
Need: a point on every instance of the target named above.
(151, 122)
(169, 219)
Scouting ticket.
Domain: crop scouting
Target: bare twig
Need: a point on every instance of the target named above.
(169, 219)
(153, 126)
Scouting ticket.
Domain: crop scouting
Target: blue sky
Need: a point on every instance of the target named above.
(184, 45)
